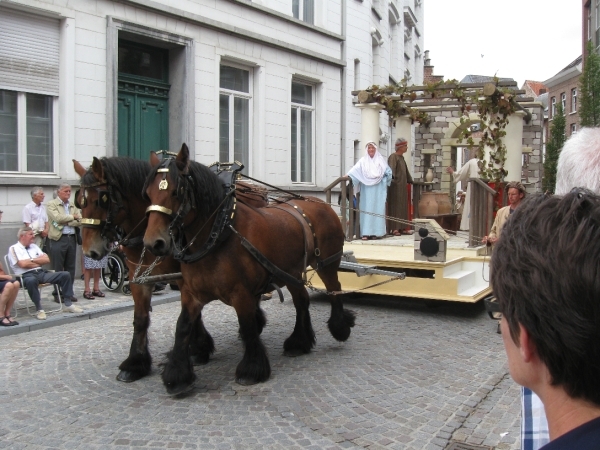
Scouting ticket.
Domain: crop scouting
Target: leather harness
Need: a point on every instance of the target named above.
(223, 224)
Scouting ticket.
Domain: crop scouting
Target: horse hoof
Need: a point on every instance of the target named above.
(128, 377)
(246, 381)
(293, 353)
(179, 389)
(198, 360)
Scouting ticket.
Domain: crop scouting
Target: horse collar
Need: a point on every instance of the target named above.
(224, 215)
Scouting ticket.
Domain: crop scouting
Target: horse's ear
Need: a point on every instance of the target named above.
(154, 161)
(97, 169)
(183, 158)
(79, 169)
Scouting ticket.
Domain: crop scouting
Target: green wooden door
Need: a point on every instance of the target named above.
(143, 124)
(143, 100)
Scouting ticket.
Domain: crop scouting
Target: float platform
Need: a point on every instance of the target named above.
(463, 277)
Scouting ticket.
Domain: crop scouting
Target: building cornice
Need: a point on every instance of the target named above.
(232, 30)
(563, 76)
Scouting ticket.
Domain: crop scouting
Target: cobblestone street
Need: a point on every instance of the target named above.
(409, 377)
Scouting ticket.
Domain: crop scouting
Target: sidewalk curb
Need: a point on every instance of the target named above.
(53, 321)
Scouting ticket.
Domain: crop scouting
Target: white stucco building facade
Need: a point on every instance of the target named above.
(267, 82)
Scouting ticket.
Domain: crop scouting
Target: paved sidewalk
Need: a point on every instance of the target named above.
(114, 302)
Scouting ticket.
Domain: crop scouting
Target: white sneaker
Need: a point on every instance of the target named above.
(41, 315)
(72, 309)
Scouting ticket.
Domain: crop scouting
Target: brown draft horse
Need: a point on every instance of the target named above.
(111, 203)
(187, 198)
(112, 189)
(112, 207)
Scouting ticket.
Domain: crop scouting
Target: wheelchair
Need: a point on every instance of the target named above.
(115, 276)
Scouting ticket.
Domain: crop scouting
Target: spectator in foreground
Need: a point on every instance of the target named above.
(551, 320)
(570, 173)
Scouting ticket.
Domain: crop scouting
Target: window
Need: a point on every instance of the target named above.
(552, 107)
(26, 132)
(573, 100)
(302, 126)
(304, 10)
(597, 42)
(563, 102)
(573, 128)
(234, 115)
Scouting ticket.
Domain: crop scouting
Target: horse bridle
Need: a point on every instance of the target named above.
(224, 213)
(108, 230)
(184, 192)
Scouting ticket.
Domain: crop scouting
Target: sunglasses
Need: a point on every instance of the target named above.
(493, 308)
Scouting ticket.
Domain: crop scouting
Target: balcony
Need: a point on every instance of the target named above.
(409, 17)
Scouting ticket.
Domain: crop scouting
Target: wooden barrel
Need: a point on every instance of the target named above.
(428, 205)
(443, 200)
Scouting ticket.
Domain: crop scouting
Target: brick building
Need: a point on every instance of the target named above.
(563, 88)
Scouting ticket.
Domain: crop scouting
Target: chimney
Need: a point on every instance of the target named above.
(427, 60)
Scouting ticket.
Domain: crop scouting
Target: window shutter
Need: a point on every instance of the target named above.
(29, 52)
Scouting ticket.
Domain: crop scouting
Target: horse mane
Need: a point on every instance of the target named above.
(207, 187)
(124, 174)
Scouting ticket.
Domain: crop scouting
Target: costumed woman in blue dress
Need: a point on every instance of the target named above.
(371, 176)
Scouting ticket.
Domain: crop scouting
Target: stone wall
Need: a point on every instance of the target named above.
(434, 143)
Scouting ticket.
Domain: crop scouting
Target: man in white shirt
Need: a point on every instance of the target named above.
(26, 260)
(34, 216)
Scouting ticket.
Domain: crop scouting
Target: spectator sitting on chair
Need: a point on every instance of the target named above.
(27, 260)
(9, 289)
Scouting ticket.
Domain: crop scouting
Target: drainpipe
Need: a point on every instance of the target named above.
(343, 100)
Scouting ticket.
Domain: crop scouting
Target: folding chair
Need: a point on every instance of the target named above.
(24, 301)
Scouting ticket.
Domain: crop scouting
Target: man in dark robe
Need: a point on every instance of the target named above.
(397, 198)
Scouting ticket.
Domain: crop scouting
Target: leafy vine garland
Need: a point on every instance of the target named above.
(493, 109)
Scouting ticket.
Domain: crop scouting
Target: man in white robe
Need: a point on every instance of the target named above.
(469, 170)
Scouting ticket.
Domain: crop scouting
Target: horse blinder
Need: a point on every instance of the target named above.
(103, 199)
(83, 203)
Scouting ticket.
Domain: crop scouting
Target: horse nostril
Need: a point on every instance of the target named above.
(94, 255)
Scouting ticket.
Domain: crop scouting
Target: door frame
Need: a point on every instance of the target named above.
(181, 69)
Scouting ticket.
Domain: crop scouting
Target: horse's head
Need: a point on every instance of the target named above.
(169, 190)
(184, 195)
(110, 200)
(93, 199)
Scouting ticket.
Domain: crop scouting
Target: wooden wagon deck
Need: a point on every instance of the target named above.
(464, 277)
